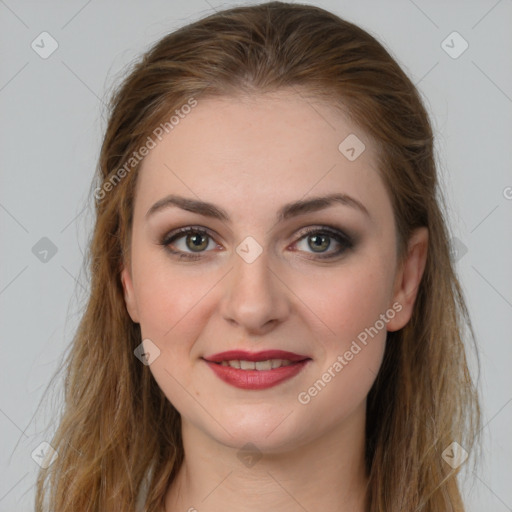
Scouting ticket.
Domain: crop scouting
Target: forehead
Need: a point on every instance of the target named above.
(273, 148)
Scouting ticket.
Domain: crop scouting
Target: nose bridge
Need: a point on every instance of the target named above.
(253, 298)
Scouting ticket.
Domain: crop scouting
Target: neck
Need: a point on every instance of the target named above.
(323, 474)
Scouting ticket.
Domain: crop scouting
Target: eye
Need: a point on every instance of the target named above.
(190, 243)
(319, 240)
(187, 241)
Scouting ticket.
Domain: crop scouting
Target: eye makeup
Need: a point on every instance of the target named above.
(194, 234)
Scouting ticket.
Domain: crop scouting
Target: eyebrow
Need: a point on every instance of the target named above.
(288, 211)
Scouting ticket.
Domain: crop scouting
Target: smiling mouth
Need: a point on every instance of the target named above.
(256, 371)
(268, 364)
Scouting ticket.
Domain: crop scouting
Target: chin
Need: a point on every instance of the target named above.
(270, 429)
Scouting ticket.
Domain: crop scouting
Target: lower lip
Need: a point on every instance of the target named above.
(256, 379)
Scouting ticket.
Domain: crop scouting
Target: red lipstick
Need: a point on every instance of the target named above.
(253, 378)
(243, 355)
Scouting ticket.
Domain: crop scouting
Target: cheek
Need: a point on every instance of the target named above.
(172, 314)
(353, 305)
(348, 300)
(167, 301)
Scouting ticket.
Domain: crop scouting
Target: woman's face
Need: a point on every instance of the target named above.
(271, 269)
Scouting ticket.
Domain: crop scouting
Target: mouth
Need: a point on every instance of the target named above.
(267, 364)
(258, 370)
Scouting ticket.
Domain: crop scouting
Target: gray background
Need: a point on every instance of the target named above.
(52, 120)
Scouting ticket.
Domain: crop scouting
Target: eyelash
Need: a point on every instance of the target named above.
(344, 240)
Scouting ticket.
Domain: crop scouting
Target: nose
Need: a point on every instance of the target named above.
(254, 298)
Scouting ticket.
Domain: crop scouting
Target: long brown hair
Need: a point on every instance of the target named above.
(118, 432)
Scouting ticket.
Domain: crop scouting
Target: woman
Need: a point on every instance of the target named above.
(274, 320)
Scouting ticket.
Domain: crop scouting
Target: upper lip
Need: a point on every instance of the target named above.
(243, 355)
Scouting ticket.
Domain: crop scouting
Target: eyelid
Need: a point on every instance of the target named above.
(338, 234)
(325, 228)
(175, 233)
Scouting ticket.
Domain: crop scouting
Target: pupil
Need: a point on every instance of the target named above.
(317, 242)
(196, 241)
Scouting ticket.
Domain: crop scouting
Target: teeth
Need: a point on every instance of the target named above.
(264, 365)
(269, 364)
(247, 365)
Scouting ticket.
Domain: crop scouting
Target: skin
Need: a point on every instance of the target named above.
(250, 156)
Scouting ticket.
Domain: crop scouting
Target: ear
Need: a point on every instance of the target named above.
(408, 279)
(129, 294)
